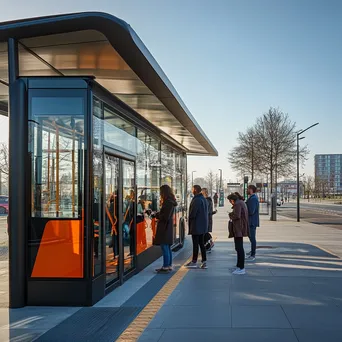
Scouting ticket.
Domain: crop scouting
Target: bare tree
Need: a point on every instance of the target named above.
(321, 187)
(4, 155)
(309, 186)
(268, 147)
(201, 181)
(275, 143)
(217, 183)
(243, 157)
(210, 181)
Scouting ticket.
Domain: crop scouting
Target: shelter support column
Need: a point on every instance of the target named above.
(17, 180)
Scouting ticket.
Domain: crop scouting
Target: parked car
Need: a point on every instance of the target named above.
(3, 205)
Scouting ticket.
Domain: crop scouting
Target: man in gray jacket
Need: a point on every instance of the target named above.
(198, 226)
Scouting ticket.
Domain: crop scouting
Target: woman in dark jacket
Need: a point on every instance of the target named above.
(164, 234)
(239, 218)
(207, 237)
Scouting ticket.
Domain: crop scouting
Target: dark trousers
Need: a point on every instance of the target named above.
(115, 243)
(198, 240)
(240, 252)
(252, 239)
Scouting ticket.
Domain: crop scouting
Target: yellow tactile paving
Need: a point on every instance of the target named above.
(137, 327)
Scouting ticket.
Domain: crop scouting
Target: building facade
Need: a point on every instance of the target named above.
(328, 172)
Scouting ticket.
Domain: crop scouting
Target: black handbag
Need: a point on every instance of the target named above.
(230, 229)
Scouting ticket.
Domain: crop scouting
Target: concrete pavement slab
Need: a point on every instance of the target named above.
(259, 317)
(304, 316)
(318, 335)
(34, 318)
(194, 297)
(224, 335)
(278, 297)
(151, 335)
(175, 317)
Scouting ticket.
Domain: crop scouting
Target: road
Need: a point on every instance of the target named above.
(3, 239)
(318, 213)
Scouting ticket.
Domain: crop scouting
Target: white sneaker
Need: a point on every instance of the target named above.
(191, 264)
(239, 271)
(250, 258)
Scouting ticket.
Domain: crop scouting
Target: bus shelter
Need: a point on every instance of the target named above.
(95, 129)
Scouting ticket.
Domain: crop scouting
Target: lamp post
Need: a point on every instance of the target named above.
(300, 138)
(192, 179)
(220, 178)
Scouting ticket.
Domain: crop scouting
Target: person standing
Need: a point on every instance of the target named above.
(253, 219)
(215, 198)
(198, 226)
(208, 242)
(164, 234)
(239, 218)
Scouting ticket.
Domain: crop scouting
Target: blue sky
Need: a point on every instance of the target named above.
(231, 60)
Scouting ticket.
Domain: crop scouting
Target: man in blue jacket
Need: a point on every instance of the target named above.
(253, 219)
(198, 226)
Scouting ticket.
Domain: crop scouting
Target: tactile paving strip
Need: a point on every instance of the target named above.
(137, 327)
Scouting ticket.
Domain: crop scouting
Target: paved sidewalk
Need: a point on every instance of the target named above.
(292, 292)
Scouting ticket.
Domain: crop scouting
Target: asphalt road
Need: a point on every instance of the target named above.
(322, 214)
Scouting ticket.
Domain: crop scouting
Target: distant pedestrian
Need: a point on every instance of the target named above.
(208, 239)
(253, 219)
(239, 218)
(198, 226)
(215, 198)
(164, 234)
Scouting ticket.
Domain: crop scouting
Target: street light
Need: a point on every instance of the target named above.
(192, 178)
(300, 138)
(220, 178)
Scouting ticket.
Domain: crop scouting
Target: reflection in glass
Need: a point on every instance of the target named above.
(119, 133)
(128, 213)
(98, 219)
(111, 218)
(148, 183)
(56, 145)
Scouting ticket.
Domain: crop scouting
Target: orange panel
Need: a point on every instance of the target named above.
(141, 237)
(60, 253)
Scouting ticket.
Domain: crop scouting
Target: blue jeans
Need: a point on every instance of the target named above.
(252, 238)
(167, 255)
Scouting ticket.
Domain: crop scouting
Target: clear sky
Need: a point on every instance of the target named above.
(231, 60)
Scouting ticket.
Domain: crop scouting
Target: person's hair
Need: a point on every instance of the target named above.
(205, 190)
(198, 189)
(233, 197)
(239, 196)
(253, 188)
(166, 192)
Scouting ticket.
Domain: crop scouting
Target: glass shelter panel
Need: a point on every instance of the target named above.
(128, 206)
(56, 145)
(98, 175)
(56, 148)
(148, 184)
(112, 218)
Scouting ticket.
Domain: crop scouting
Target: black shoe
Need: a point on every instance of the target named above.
(163, 271)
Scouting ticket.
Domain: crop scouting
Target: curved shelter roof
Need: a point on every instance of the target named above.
(107, 48)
